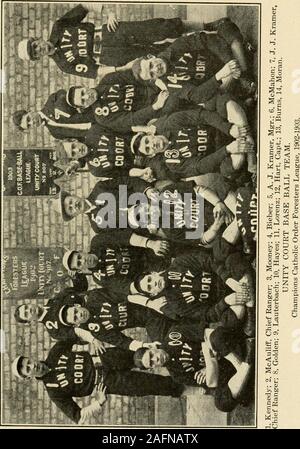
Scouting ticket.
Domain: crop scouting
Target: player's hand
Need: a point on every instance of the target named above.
(153, 194)
(72, 168)
(221, 210)
(147, 175)
(101, 393)
(200, 376)
(157, 304)
(159, 247)
(89, 411)
(161, 100)
(112, 23)
(99, 347)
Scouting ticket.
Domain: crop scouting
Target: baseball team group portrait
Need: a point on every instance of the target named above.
(130, 149)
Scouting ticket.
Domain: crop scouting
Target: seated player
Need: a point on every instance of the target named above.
(195, 287)
(171, 149)
(60, 118)
(196, 57)
(120, 102)
(104, 262)
(203, 357)
(189, 215)
(48, 315)
(70, 372)
(102, 315)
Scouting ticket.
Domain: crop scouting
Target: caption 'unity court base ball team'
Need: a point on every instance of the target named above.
(168, 118)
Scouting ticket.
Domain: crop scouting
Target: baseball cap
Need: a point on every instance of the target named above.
(17, 118)
(66, 258)
(138, 356)
(58, 205)
(25, 50)
(16, 367)
(135, 143)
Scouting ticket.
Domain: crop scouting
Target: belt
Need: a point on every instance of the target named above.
(99, 377)
(97, 48)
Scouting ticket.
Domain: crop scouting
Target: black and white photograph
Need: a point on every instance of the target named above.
(130, 166)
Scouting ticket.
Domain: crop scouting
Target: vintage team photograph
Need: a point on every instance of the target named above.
(129, 214)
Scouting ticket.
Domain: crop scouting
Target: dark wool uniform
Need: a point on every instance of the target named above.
(109, 154)
(51, 318)
(191, 152)
(187, 213)
(124, 102)
(134, 185)
(195, 289)
(183, 344)
(246, 214)
(117, 262)
(109, 316)
(198, 56)
(74, 374)
(80, 48)
(64, 121)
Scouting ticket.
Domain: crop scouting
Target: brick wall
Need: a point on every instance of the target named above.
(29, 221)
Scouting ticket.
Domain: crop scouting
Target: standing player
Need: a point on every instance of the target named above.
(60, 118)
(105, 261)
(69, 373)
(79, 48)
(120, 102)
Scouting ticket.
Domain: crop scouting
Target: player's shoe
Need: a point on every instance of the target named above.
(249, 324)
(250, 351)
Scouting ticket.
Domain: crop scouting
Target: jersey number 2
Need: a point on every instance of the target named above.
(51, 325)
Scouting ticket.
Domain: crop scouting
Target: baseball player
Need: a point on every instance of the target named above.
(69, 373)
(120, 102)
(49, 316)
(196, 57)
(204, 357)
(194, 286)
(96, 203)
(105, 154)
(104, 262)
(100, 316)
(79, 48)
(182, 150)
(58, 115)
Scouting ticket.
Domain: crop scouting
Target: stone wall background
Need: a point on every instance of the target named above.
(30, 221)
